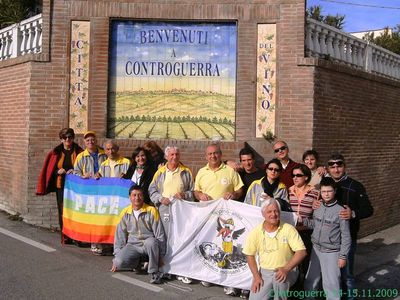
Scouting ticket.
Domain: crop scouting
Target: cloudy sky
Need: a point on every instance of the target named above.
(365, 15)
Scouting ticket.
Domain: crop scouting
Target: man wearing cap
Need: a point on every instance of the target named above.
(352, 196)
(88, 162)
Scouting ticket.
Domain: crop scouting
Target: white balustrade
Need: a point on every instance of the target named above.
(322, 41)
(327, 42)
(21, 38)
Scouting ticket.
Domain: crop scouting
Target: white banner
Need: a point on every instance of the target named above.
(206, 239)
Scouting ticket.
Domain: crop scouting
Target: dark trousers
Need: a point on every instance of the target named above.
(60, 205)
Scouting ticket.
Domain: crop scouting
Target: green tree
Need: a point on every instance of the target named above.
(335, 21)
(315, 12)
(390, 39)
(14, 11)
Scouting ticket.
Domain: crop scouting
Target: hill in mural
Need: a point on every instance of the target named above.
(177, 114)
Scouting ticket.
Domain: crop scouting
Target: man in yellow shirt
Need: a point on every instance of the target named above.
(171, 181)
(279, 248)
(217, 180)
(88, 162)
(115, 165)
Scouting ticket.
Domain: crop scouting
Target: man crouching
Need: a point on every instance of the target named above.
(139, 235)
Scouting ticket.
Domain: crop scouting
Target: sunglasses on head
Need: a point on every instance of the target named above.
(297, 175)
(274, 169)
(338, 163)
(280, 149)
(66, 137)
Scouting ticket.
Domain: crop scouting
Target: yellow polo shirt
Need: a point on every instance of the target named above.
(173, 182)
(216, 183)
(273, 252)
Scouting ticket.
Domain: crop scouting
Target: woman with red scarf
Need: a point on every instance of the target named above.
(58, 163)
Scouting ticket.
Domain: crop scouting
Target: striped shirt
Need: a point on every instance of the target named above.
(301, 203)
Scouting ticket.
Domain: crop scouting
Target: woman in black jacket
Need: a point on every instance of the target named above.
(141, 171)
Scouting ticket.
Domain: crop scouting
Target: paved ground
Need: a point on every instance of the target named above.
(378, 263)
(27, 272)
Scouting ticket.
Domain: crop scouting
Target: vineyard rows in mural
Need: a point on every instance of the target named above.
(173, 115)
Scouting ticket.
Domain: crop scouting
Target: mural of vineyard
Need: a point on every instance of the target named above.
(177, 114)
(172, 80)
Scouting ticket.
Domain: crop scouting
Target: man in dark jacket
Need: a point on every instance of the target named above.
(352, 196)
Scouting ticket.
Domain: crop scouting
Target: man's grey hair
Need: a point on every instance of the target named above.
(113, 143)
(269, 202)
(215, 144)
(279, 141)
(169, 148)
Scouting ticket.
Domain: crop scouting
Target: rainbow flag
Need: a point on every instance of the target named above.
(93, 208)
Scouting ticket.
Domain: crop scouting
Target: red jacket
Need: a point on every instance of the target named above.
(47, 177)
(286, 174)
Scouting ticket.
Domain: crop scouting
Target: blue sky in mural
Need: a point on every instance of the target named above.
(362, 15)
(173, 42)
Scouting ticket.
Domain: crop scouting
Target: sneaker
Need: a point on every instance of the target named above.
(155, 278)
(186, 280)
(230, 291)
(244, 294)
(205, 283)
(96, 249)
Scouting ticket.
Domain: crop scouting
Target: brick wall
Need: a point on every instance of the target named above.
(357, 114)
(49, 80)
(300, 107)
(14, 137)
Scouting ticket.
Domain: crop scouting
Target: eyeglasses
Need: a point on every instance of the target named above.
(297, 175)
(338, 163)
(274, 169)
(66, 137)
(280, 149)
(270, 244)
(327, 191)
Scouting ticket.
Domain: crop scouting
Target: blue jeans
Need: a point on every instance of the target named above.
(348, 272)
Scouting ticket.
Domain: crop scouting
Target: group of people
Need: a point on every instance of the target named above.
(322, 244)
